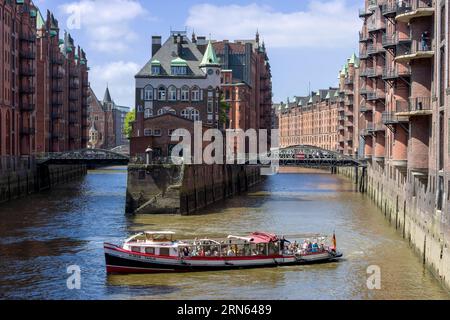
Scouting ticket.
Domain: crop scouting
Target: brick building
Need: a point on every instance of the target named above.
(61, 90)
(106, 122)
(327, 119)
(246, 83)
(42, 94)
(179, 85)
(310, 120)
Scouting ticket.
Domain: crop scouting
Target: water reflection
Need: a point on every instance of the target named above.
(44, 234)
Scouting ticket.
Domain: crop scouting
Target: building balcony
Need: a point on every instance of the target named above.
(341, 118)
(348, 123)
(375, 95)
(395, 73)
(27, 107)
(27, 55)
(365, 108)
(73, 121)
(58, 74)
(341, 128)
(391, 117)
(56, 115)
(378, 126)
(364, 37)
(415, 50)
(25, 37)
(374, 48)
(73, 109)
(56, 103)
(374, 72)
(349, 102)
(417, 106)
(27, 89)
(57, 60)
(73, 96)
(27, 131)
(348, 113)
(389, 10)
(74, 85)
(348, 81)
(367, 131)
(367, 12)
(389, 40)
(27, 71)
(376, 26)
(57, 87)
(410, 9)
(363, 55)
(348, 92)
(364, 91)
(57, 136)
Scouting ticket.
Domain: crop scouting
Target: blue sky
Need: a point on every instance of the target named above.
(307, 41)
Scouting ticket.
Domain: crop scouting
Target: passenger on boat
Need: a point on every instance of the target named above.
(305, 245)
(230, 253)
(309, 246)
(315, 246)
(186, 251)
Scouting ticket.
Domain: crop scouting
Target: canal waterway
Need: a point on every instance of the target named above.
(44, 234)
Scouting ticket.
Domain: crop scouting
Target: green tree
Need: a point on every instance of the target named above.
(129, 119)
(223, 113)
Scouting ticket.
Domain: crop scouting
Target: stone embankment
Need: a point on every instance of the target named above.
(184, 189)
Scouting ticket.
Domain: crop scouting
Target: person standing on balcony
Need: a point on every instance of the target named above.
(424, 41)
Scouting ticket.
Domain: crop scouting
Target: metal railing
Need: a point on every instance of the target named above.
(392, 73)
(389, 9)
(414, 104)
(375, 95)
(390, 117)
(406, 6)
(374, 48)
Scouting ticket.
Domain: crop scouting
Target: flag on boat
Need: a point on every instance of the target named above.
(334, 240)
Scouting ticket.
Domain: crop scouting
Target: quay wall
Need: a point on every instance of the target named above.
(20, 183)
(408, 203)
(185, 189)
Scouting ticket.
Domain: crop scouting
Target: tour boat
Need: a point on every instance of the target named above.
(157, 251)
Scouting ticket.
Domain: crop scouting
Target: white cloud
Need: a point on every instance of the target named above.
(330, 24)
(119, 76)
(106, 23)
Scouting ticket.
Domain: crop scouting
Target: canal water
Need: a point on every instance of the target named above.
(41, 236)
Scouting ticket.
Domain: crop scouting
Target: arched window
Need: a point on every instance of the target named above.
(185, 113)
(195, 94)
(8, 132)
(161, 93)
(172, 93)
(195, 115)
(185, 93)
(148, 93)
(166, 110)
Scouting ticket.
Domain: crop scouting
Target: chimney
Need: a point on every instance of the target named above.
(156, 44)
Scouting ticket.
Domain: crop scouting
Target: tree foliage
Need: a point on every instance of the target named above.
(129, 119)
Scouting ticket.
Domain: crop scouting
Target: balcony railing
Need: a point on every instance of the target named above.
(376, 26)
(390, 117)
(27, 55)
(389, 40)
(394, 73)
(57, 60)
(374, 48)
(27, 131)
(348, 80)
(363, 55)
(409, 6)
(27, 107)
(73, 96)
(57, 87)
(348, 102)
(27, 89)
(27, 71)
(415, 50)
(375, 95)
(74, 85)
(364, 37)
(27, 37)
(56, 115)
(414, 104)
(73, 120)
(365, 108)
(58, 74)
(367, 130)
(389, 9)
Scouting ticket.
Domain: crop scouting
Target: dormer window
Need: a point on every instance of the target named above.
(156, 67)
(179, 67)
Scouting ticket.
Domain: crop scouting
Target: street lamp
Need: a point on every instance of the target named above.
(148, 153)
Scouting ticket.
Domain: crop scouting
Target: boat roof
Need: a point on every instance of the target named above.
(159, 232)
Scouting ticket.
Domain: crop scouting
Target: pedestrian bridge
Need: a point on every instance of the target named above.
(305, 155)
(84, 156)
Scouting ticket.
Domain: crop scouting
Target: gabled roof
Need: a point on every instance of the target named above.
(169, 51)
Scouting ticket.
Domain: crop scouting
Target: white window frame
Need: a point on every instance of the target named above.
(195, 115)
(185, 93)
(148, 132)
(157, 132)
(162, 92)
(195, 94)
(148, 93)
(172, 93)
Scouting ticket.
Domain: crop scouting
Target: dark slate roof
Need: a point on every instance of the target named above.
(107, 97)
(168, 52)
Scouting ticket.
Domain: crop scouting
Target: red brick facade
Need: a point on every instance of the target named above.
(43, 90)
